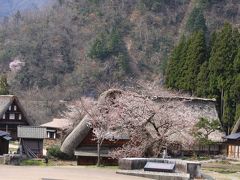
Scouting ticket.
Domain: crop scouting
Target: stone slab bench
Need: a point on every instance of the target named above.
(182, 166)
(159, 167)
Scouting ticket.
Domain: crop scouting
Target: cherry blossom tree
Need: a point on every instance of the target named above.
(150, 126)
(151, 123)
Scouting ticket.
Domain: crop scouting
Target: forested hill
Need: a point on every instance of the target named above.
(83, 47)
(9, 7)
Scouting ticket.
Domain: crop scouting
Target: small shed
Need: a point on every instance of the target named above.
(31, 140)
(56, 127)
(4, 142)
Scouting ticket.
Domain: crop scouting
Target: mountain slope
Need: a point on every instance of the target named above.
(84, 47)
(10, 7)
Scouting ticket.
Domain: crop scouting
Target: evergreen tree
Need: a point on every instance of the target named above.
(175, 64)
(222, 74)
(4, 88)
(229, 110)
(196, 55)
(215, 74)
(203, 81)
(196, 21)
(223, 54)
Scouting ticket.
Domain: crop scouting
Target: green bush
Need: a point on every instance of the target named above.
(105, 45)
(55, 152)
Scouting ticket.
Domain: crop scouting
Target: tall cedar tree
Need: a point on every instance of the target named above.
(196, 21)
(175, 64)
(222, 74)
(203, 81)
(217, 76)
(196, 55)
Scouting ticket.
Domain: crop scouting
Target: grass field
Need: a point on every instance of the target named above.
(223, 170)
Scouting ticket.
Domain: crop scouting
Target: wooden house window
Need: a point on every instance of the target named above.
(15, 108)
(11, 116)
(9, 108)
(4, 116)
(20, 116)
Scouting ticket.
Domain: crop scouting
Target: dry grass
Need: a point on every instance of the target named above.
(223, 170)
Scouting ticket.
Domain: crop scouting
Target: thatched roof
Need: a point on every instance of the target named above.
(195, 108)
(76, 136)
(236, 127)
(6, 101)
(58, 124)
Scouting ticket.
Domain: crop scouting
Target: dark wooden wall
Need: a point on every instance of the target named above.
(89, 160)
(4, 145)
(90, 142)
(36, 146)
(10, 125)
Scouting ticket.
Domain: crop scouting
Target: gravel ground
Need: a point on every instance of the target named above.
(61, 173)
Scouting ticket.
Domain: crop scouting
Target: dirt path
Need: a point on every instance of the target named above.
(61, 173)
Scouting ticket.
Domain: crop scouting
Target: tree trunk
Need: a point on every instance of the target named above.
(99, 155)
(209, 150)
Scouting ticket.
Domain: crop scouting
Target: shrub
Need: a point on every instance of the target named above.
(55, 152)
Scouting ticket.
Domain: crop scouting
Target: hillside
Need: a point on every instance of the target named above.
(84, 47)
(10, 7)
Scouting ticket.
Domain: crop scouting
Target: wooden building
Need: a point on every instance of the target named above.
(80, 143)
(31, 140)
(56, 127)
(233, 142)
(12, 115)
(4, 142)
(86, 151)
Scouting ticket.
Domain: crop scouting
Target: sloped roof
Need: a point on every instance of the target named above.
(31, 132)
(76, 136)
(195, 108)
(58, 124)
(233, 136)
(6, 101)
(236, 127)
(5, 135)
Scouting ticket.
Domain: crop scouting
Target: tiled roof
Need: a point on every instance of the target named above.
(58, 124)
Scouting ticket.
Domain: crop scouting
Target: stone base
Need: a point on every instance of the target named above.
(12, 159)
(182, 166)
(155, 175)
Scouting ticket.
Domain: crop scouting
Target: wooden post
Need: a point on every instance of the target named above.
(20, 147)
